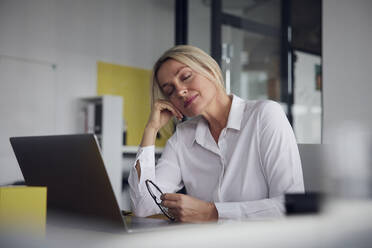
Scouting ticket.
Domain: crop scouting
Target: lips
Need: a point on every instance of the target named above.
(189, 101)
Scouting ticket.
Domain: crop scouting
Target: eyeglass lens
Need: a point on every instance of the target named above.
(155, 193)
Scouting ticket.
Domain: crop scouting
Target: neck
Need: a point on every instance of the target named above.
(217, 113)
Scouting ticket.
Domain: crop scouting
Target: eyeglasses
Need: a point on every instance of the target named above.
(156, 193)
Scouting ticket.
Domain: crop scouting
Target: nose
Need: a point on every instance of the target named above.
(182, 91)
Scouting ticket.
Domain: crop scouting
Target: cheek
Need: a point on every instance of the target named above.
(209, 89)
(205, 85)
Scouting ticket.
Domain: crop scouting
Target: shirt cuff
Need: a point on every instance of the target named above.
(226, 211)
(143, 151)
(260, 209)
(146, 158)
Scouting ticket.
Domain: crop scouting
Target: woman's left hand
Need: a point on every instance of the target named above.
(189, 209)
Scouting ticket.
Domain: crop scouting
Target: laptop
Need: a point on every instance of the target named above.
(72, 169)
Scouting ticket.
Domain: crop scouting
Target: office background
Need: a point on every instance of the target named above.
(49, 52)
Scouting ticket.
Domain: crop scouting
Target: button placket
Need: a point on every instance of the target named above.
(220, 177)
(222, 147)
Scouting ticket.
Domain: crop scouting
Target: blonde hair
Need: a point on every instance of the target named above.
(191, 56)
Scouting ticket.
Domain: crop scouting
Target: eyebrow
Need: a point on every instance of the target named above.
(178, 71)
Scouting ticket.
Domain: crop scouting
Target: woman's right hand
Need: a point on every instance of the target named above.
(161, 112)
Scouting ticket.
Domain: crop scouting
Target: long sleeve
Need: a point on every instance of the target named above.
(265, 208)
(166, 174)
(281, 166)
(279, 152)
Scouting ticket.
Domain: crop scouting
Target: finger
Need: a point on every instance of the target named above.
(173, 212)
(167, 103)
(170, 204)
(167, 107)
(177, 214)
(171, 197)
(176, 112)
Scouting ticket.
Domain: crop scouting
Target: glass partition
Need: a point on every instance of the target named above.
(251, 64)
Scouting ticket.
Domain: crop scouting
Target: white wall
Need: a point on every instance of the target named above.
(347, 65)
(347, 101)
(73, 35)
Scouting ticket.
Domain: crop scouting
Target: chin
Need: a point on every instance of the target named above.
(194, 110)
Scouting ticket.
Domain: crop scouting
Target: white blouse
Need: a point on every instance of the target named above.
(246, 175)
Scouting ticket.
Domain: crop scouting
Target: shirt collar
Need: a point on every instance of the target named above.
(236, 113)
(234, 121)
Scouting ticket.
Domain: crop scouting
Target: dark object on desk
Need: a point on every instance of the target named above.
(308, 203)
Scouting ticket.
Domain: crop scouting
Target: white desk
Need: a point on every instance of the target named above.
(345, 224)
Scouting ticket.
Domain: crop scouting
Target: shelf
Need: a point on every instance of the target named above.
(134, 150)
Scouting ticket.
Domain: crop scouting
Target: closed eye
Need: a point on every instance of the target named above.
(168, 90)
(186, 76)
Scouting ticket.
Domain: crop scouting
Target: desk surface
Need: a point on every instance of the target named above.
(342, 224)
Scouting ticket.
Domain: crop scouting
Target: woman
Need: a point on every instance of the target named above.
(235, 158)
